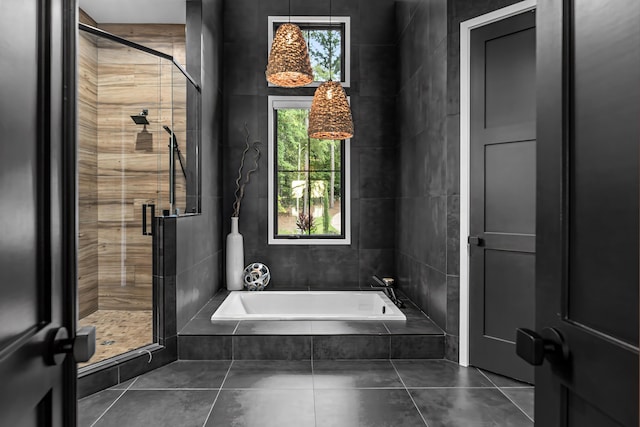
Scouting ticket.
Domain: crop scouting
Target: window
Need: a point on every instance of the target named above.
(309, 191)
(322, 34)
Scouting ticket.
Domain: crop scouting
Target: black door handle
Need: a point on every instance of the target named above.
(534, 347)
(83, 346)
(153, 215)
(475, 240)
(144, 219)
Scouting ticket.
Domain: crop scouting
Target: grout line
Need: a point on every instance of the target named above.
(409, 393)
(505, 395)
(524, 387)
(233, 345)
(114, 402)
(358, 388)
(132, 383)
(488, 379)
(313, 386)
(282, 388)
(202, 308)
(385, 326)
(217, 394)
(177, 389)
(450, 388)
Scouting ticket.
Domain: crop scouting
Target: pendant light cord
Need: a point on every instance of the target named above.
(330, 45)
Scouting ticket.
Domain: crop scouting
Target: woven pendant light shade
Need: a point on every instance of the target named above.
(289, 64)
(330, 115)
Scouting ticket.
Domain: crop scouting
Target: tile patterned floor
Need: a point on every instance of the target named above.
(118, 331)
(336, 393)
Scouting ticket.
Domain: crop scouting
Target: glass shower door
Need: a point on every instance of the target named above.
(121, 188)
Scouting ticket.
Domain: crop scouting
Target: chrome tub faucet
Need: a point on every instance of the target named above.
(388, 286)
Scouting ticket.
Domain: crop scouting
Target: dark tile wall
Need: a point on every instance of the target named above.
(198, 248)
(428, 118)
(457, 12)
(405, 168)
(423, 250)
(373, 164)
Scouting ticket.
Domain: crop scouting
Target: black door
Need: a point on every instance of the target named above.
(36, 209)
(503, 192)
(587, 214)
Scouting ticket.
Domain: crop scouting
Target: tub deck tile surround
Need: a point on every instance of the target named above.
(416, 338)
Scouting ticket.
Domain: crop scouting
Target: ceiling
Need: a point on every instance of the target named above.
(135, 11)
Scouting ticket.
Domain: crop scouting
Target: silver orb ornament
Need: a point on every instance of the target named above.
(256, 276)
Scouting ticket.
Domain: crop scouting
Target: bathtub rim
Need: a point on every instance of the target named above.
(394, 315)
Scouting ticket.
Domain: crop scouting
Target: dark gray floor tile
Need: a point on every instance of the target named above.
(468, 407)
(502, 381)
(350, 347)
(414, 326)
(271, 374)
(91, 407)
(337, 374)
(274, 327)
(206, 326)
(123, 385)
(522, 397)
(271, 347)
(184, 408)
(204, 347)
(264, 408)
(438, 373)
(347, 327)
(185, 374)
(370, 408)
(417, 346)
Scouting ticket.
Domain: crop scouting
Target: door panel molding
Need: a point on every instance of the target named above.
(39, 274)
(599, 384)
(465, 125)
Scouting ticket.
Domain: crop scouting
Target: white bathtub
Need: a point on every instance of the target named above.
(308, 305)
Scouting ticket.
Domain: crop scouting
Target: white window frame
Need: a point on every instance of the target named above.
(281, 102)
(346, 20)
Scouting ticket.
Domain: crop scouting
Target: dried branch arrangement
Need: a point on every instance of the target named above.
(240, 183)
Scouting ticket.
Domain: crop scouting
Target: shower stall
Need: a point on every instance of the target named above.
(138, 118)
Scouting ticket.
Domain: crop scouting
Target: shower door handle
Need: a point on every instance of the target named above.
(144, 219)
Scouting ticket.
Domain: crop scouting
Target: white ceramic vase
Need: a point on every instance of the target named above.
(235, 257)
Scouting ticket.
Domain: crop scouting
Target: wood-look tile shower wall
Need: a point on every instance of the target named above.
(130, 166)
(87, 176)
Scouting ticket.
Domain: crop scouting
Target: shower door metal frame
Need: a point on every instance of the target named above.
(163, 350)
(172, 140)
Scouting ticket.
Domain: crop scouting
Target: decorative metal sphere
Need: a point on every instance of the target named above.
(256, 276)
